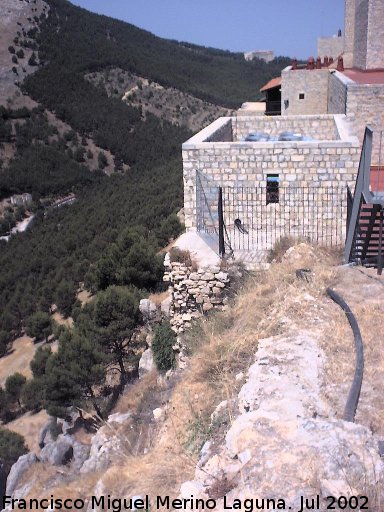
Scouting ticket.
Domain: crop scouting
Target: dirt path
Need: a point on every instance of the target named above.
(19, 358)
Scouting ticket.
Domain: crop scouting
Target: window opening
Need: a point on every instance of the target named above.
(272, 188)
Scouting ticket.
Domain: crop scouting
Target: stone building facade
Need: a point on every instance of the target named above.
(266, 55)
(337, 93)
(330, 47)
(362, 46)
(357, 89)
(312, 177)
(267, 189)
(304, 92)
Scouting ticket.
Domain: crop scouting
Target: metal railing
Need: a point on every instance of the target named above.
(249, 221)
(365, 214)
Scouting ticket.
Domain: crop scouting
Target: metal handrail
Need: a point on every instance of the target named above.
(361, 189)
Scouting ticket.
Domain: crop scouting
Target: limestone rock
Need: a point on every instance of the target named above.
(158, 414)
(119, 417)
(57, 453)
(222, 276)
(148, 309)
(80, 455)
(146, 363)
(192, 488)
(17, 471)
(104, 447)
(166, 306)
(45, 435)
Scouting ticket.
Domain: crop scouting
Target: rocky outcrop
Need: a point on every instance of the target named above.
(286, 442)
(148, 309)
(58, 453)
(18, 469)
(104, 448)
(146, 363)
(194, 292)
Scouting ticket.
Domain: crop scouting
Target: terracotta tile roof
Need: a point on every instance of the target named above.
(275, 82)
(365, 77)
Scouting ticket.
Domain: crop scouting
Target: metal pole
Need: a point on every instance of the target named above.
(380, 247)
(221, 224)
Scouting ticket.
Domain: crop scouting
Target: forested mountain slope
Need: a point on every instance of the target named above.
(78, 242)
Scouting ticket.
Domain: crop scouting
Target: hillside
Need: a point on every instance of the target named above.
(258, 404)
(71, 126)
(78, 126)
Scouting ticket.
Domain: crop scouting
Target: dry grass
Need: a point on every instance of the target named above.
(221, 345)
(21, 354)
(158, 298)
(29, 426)
(263, 305)
(364, 292)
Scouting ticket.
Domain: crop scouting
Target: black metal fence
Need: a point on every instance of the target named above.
(252, 222)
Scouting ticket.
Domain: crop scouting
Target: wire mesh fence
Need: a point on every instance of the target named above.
(254, 222)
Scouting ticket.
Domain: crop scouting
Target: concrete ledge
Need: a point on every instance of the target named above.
(206, 133)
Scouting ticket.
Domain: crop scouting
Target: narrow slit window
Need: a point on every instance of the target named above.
(272, 188)
(301, 96)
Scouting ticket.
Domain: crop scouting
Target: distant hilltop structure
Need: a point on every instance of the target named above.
(266, 55)
(330, 46)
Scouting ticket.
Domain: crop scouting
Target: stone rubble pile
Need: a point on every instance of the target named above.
(194, 293)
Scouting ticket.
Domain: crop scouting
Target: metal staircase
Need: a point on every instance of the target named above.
(365, 218)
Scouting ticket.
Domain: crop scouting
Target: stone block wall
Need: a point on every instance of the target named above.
(369, 34)
(312, 83)
(317, 127)
(337, 93)
(247, 164)
(330, 47)
(375, 45)
(365, 105)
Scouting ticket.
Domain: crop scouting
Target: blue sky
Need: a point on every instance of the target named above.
(289, 27)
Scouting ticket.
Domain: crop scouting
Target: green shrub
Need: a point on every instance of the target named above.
(39, 362)
(65, 297)
(4, 343)
(12, 446)
(39, 326)
(14, 386)
(180, 256)
(32, 394)
(162, 344)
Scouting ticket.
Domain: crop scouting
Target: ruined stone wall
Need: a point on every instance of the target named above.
(365, 103)
(330, 47)
(194, 293)
(312, 83)
(317, 127)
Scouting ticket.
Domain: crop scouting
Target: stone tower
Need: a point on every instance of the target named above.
(364, 34)
(349, 32)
